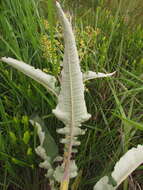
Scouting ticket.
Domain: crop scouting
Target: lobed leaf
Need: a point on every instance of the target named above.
(46, 140)
(71, 108)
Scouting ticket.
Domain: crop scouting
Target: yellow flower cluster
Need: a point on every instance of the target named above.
(86, 40)
(46, 24)
(46, 46)
(49, 49)
(53, 48)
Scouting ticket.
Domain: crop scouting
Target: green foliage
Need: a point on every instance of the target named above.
(49, 143)
(105, 40)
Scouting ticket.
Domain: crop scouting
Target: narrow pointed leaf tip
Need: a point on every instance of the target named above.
(48, 81)
(92, 75)
(123, 168)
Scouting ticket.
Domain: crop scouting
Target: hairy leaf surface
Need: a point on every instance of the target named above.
(48, 81)
(123, 168)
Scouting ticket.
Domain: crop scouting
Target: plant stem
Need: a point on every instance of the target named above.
(66, 177)
(64, 185)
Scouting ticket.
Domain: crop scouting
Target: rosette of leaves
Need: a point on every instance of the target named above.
(71, 110)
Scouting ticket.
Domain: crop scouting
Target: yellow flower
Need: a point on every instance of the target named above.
(46, 24)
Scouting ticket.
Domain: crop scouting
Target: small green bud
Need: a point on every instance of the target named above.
(26, 137)
(12, 136)
(29, 151)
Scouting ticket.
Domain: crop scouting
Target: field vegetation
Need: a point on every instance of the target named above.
(109, 37)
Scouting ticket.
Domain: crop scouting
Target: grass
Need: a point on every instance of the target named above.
(106, 42)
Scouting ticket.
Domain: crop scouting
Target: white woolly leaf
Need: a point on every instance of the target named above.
(45, 164)
(41, 152)
(47, 149)
(123, 168)
(58, 173)
(40, 133)
(92, 75)
(71, 108)
(73, 169)
(127, 164)
(48, 81)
